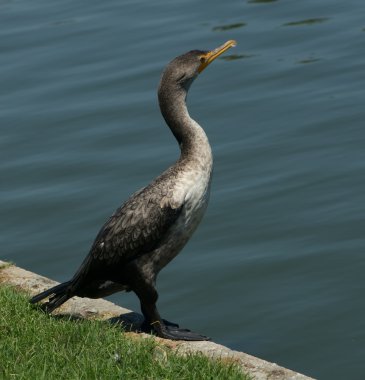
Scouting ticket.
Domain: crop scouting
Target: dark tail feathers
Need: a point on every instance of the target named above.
(58, 295)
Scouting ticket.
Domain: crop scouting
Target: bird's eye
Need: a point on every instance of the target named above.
(202, 59)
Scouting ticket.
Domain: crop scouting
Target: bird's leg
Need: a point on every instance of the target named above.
(148, 296)
(166, 322)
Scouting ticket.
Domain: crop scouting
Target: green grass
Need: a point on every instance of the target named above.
(34, 345)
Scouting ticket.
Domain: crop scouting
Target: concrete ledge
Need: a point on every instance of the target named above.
(101, 309)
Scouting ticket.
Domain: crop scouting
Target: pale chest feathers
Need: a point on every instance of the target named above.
(191, 191)
(197, 195)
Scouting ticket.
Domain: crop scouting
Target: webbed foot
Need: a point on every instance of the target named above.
(173, 332)
(147, 328)
(176, 333)
(168, 323)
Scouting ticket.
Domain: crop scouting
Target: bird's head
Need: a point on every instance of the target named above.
(181, 71)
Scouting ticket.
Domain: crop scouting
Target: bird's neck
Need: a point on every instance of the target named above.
(193, 141)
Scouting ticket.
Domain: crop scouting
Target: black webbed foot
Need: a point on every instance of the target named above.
(170, 330)
(176, 333)
(168, 323)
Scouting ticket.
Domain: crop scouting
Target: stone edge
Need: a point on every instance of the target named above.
(101, 309)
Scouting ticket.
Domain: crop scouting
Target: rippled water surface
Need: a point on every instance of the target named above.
(277, 267)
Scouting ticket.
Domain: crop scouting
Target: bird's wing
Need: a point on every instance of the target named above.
(136, 228)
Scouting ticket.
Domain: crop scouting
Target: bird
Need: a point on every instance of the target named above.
(144, 234)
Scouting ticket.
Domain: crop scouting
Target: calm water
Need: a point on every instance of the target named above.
(277, 267)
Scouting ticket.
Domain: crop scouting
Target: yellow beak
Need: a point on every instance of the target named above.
(209, 57)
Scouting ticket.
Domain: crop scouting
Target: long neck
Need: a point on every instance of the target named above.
(193, 141)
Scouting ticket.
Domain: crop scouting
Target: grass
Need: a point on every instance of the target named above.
(34, 345)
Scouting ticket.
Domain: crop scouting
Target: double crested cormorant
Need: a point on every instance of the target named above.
(154, 224)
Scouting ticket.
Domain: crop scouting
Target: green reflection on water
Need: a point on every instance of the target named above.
(223, 28)
(309, 60)
(309, 21)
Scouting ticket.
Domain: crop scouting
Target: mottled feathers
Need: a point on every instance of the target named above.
(135, 229)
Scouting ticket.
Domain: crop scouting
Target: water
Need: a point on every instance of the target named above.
(277, 267)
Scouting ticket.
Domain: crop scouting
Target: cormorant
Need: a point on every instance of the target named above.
(155, 223)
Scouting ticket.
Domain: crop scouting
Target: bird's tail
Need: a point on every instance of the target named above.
(58, 295)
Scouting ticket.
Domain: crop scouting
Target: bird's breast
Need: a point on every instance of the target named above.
(180, 232)
(197, 186)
